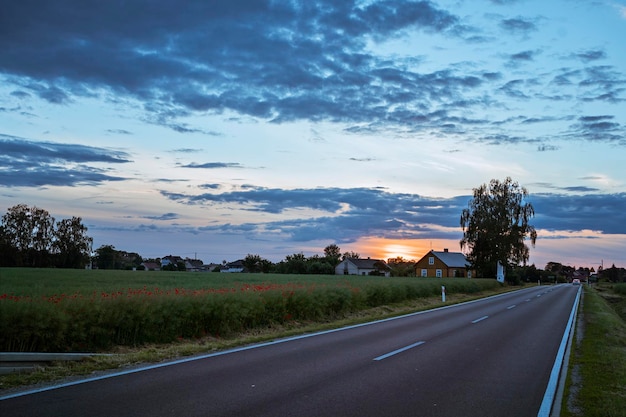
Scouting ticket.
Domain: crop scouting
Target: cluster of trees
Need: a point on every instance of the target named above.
(30, 236)
(298, 263)
(613, 274)
(107, 257)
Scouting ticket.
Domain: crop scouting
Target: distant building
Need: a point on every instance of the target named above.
(236, 266)
(170, 260)
(357, 266)
(193, 265)
(444, 264)
(151, 266)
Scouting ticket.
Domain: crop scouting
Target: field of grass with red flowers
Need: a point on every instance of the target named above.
(56, 310)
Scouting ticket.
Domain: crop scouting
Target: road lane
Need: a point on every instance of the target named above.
(440, 363)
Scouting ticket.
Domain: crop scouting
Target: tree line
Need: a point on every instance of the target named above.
(30, 236)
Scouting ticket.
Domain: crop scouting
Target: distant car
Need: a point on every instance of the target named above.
(576, 281)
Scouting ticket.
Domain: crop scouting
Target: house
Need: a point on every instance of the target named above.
(444, 264)
(171, 260)
(151, 266)
(211, 267)
(579, 274)
(236, 266)
(357, 266)
(193, 265)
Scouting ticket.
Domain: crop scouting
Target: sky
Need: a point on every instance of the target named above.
(217, 129)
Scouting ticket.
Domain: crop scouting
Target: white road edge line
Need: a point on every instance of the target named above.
(510, 307)
(239, 349)
(480, 319)
(548, 397)
(395, 352)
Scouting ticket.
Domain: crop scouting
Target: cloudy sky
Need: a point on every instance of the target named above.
(222, 128)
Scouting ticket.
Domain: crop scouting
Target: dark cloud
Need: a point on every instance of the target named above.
(492, 76)
(599, 128)
(523, 56)
(502, 138)
(210, 186)
(277, 61)
(354, 213)
(186, 150)
(363, 159)
(546, 148)
(20, 94)
(273, 60)
(600, 212)
(603, 83)
(572, 189)
(580, 189)
(516, 89)
(518, 25)
(332, 200)
(213, 165)
(591, 55)
(166, 216)
(32, 164)
(119, 131)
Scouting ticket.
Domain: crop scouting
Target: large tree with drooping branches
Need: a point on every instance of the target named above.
(496, 224)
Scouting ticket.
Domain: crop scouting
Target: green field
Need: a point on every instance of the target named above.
(95, 310)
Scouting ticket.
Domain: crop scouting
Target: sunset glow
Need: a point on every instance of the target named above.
(409, 249)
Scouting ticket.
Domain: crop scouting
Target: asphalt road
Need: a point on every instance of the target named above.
(486, 358)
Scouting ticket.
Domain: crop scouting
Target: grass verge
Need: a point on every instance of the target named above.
(597, 379)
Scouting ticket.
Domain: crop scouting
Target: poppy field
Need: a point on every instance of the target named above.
(56, 310)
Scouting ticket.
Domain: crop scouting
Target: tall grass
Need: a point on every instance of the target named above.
(57, 310)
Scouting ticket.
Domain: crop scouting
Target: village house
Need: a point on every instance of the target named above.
(170, 260)
(151, 266)
(444, 264)
(354, 266)
(193, 265)
(236, 266)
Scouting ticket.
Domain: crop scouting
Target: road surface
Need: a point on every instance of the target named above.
(492, 357)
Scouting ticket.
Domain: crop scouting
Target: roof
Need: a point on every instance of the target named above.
(451, 259)
(367, 263)
(236, 264)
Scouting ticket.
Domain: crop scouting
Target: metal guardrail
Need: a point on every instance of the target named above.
(11, 362)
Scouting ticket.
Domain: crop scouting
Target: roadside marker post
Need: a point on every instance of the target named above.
(443, 294)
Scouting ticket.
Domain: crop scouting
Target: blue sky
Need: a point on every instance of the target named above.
(278, 127)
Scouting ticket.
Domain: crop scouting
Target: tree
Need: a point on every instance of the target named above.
(252, 263)
(350, 255)
(29, 231)
(106, 257)
(71, 245)
(295, 264)
(495, 225)
(332, 253)
(401, 267)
